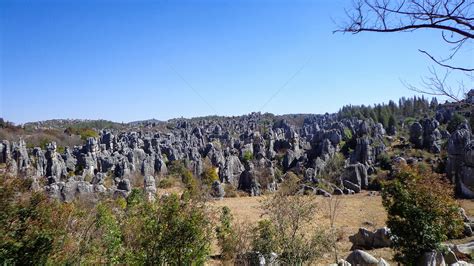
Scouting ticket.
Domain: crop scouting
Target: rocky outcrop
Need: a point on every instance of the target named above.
(365, 239)
(251, 153)
(150, 187)
(217, 190)
(356, 174)
(248, 181)
(460, 163)
(55, 166)
(363, 151)
(416, 135)
(432, 258)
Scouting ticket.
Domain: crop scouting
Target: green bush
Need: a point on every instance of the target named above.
(178, 168)
(422, 213)
(455, 121)
(347, 134)
(247, 156)
(166, 183)
(264, 237)
(297, 241)
(179, 234)
(28, 234)
(37, 230)
(226, 236)
(209, 175)
(84, 133)
(385, 161)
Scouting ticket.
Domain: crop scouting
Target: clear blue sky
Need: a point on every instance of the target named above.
(133, 60)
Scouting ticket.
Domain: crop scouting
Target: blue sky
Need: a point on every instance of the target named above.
(133, 60)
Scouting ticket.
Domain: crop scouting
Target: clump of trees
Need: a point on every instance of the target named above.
(387, 114)
(422, 213)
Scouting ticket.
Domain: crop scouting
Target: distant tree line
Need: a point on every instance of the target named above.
(386, 114)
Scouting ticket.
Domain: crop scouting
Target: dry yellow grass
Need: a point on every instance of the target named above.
(355, 211)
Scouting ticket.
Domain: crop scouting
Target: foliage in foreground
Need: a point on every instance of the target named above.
(37, 230)
(422, 213)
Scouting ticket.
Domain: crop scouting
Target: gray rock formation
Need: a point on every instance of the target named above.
(356, 174)
(365, 239)
(149, 187)
(359, 257)
(460, 167)
(55, 165)
(432, 258)
(217, 190)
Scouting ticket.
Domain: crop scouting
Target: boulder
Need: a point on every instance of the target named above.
(124, 185)
(416, 134)
(365, 239)
(362, 239)
(351, 186)
(432, 258)
(359, 257)
(357, 174)
(382, 238)
(217, 190)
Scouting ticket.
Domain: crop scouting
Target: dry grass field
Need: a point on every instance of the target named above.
(355, 211)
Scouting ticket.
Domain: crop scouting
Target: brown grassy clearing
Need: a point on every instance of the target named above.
(355, 211)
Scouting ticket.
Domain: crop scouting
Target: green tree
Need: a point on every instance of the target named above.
(31, 226)
(179, 234)
(226, 237)
(111, 236)
(421, 213)
(264, 238)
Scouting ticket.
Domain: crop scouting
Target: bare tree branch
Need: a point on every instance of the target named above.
(437, 85)
(444, 65)
(454, 19)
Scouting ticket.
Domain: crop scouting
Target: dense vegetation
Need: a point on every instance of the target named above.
(387, 114)
(422, 213)
(37, 230)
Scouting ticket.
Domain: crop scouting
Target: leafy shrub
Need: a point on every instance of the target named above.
(264, 237)
(166, 183)
(209, 175)
(347, 134)
(178, 169)
(297, 241)
(226, 236)
(37, 230)
(85, 133)
(385, 161)
(28, 234)
(454, 122)
(421, 213)
(179, 234)
(247, 156)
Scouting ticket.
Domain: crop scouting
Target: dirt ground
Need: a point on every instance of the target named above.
(355, 211)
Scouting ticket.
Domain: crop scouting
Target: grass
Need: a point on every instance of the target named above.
(359, 210)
